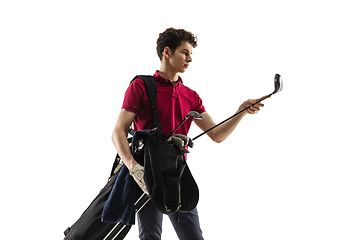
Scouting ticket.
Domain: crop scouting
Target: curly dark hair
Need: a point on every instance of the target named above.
(173, 38)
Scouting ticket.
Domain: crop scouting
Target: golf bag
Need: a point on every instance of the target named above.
(167, 177)
(89, 226)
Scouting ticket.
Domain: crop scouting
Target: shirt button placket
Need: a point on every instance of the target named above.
(174, 92)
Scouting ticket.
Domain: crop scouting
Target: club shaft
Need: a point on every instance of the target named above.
(232, 116)
(178, 126)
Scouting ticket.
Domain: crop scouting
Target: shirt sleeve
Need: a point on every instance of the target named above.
(199, 107)
(134, 96)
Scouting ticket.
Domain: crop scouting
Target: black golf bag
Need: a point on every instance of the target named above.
(89, 226)
(171, 185)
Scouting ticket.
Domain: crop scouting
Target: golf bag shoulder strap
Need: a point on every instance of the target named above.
(151, 91)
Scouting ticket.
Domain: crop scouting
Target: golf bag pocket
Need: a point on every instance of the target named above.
(164, 167)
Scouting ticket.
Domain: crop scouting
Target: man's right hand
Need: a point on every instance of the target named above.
(137, 172)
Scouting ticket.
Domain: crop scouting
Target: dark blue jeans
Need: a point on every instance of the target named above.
(186, 224)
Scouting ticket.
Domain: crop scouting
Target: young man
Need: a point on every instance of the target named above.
(174, 101)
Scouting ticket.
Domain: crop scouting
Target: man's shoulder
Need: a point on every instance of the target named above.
(138, 81)
(188, 89)
(136, 87)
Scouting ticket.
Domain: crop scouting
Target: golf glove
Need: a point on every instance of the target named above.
(137, 172)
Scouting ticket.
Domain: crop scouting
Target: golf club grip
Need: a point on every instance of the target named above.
(232, 116)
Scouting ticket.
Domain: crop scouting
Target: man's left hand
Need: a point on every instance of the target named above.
(253, 109)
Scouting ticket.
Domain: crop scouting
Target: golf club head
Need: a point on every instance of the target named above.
(195, 115)
(278, 83)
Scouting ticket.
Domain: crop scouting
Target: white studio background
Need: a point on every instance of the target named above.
(289, 172)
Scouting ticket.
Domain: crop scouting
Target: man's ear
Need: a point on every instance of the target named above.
(167, 52)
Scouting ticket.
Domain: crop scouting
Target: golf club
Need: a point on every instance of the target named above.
(278, 87)
(119, 227)
(192, 114)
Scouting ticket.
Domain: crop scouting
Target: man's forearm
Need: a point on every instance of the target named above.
(122, 146)
(223, 131)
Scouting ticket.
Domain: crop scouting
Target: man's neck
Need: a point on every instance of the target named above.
(168, 74)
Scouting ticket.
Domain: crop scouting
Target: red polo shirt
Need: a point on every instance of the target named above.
(174, 102)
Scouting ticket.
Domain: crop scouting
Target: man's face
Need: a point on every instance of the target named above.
(180, 59)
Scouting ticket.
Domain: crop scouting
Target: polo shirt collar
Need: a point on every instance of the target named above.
(161, 79)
